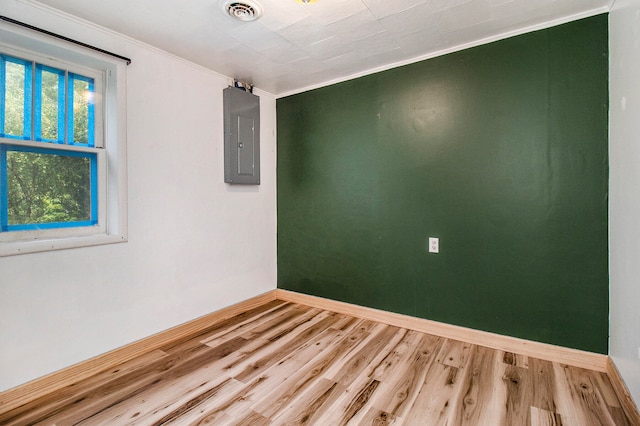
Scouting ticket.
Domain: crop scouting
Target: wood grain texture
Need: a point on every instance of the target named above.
(622, 393)
(283, 363)
(53, 382)
(524, 348)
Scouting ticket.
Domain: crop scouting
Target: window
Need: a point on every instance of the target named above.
(62, 156)
(47, 184)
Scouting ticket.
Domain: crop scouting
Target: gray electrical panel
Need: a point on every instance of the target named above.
(241, 137)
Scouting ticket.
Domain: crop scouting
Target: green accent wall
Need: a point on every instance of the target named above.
(501, 151)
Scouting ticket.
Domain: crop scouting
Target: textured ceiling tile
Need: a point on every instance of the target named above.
(374, 45)
(307, 67)
(339, 61)
(382, 8)
(464, 15)
(327, 48)
(208, 39)
(381, 60)
(464, 36)
(273, 76)
(523, 8)
(244, 57)
(409, 21)
(495, 3)
(257, 36)
(281, 14)
(361, 25)
(519, 12)
(285, 53)
(328, 11)
(272, 68)
(305, 32)
(440, 5)
(417, 43)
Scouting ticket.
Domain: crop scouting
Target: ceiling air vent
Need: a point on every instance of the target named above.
(245, 10)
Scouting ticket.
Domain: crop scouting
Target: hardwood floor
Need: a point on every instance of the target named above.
(286, 364)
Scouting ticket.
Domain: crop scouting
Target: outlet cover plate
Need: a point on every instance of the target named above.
(434, 245)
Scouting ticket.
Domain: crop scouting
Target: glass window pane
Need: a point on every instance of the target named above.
(48, 188)
(50, 104)
(82, 115)
(14, 99)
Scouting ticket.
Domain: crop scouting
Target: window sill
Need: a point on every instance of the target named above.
(23, 247)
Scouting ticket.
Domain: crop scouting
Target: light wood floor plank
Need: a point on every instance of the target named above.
(540, 417)
(356, 376)
(288, 348)
(432, 402)
(519, 385)
(277, 400)
(183, 380)
(85, 396)
(288, 364)
(379, 418)
(278, 313)
(543, 378)
(480, 403)
(366, 356)
(288, 354)
(402, 387)
(282, 371)
(184, 343)
(311, 404)
(516, 360)
(454, 353)
(586, 386)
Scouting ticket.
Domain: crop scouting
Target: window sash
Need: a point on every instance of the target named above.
(78, 229)
(4, 188)
(64, 100)
(34, 65)
(91, 121)
(27, 92)
(39, 104)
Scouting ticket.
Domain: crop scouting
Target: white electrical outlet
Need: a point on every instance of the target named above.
(434, 245)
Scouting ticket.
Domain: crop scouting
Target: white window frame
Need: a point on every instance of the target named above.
(110, 139)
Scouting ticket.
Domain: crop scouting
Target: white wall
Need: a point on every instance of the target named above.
(195, 244)
(624, 343)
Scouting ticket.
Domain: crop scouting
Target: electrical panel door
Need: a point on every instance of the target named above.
(241, 137)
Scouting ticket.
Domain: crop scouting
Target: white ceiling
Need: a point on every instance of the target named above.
(295, 46)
